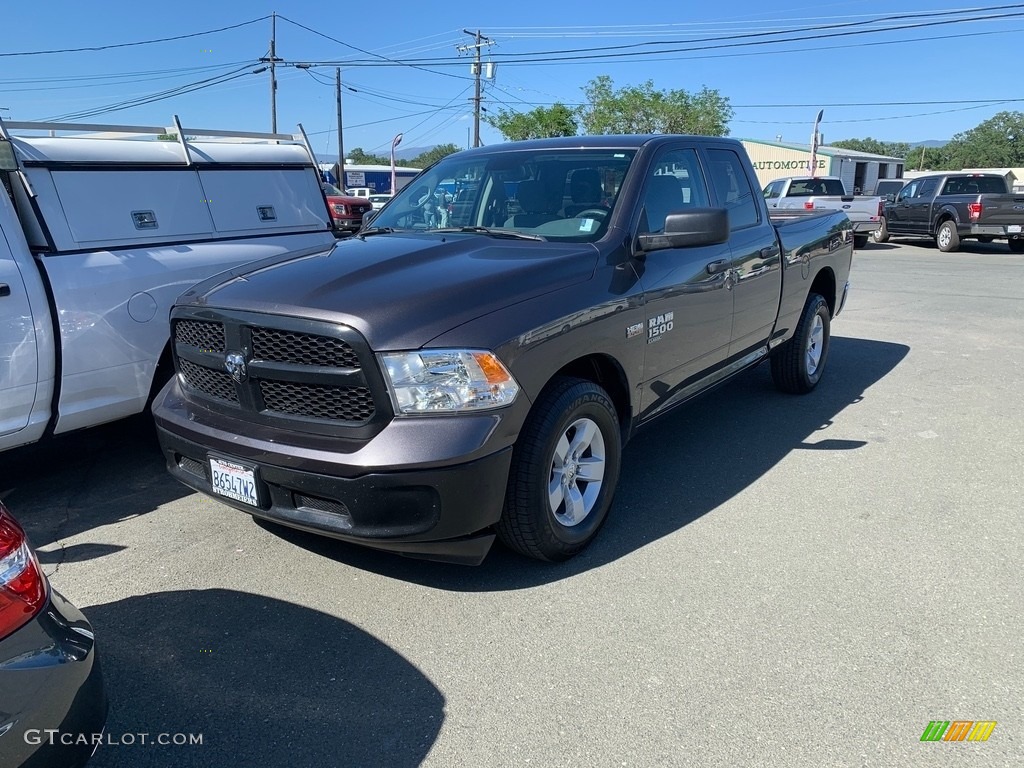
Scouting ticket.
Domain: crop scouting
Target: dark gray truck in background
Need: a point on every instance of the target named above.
(951, 207)
(423, 389)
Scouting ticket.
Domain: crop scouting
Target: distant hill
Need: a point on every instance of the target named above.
(931, 143)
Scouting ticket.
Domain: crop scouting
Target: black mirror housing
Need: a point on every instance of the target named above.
(689, 229)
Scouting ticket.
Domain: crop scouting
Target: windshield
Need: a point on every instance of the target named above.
(330, 189)
(557, 194)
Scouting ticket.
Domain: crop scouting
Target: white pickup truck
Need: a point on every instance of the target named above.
(98, 237)
(827, 193)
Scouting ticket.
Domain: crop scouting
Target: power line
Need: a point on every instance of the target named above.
(138, 42)
(637, 55)
(78, 86)
(361, 50)
(154, 97)
(813, 28)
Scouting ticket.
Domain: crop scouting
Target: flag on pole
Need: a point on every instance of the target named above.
(813, 164)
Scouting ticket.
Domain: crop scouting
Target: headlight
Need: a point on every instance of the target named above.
(339, 208)
(448, 380)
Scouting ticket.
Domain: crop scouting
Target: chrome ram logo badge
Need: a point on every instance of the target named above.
(234, 364)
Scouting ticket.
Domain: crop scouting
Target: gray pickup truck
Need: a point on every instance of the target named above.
(951, 207)
(423, 388)
(815, 193)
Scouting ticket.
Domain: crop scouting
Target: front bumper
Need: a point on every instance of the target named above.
(50, 680)
(442, 511)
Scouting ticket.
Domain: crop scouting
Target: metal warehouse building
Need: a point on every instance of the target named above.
(858, 170)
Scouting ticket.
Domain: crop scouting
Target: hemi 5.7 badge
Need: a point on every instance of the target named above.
(634, 330)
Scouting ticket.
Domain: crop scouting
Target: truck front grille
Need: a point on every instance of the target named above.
(318, 402)
(213, 383)
(201, 334)
(301, 375)
(301, 349)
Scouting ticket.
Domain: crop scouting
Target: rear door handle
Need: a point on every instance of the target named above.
(716, 267)
(5, 290)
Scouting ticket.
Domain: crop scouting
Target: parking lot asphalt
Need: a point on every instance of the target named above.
(783, 581)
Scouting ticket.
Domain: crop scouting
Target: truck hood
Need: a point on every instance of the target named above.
(401, 290)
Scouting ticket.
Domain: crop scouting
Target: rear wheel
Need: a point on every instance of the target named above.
(881, 235)
(947, 238)
(797, 366)
(565, 466)
(860, 241)
(1016, 246)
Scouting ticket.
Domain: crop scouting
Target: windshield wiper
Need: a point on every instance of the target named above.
(515, 235)
(375, 231)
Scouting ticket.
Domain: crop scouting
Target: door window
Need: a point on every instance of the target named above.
(732, 188)
(674, 183)
(927, 188)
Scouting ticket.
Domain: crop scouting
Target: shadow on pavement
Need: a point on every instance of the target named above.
(76, 482)
(266, 683)
(680, 468)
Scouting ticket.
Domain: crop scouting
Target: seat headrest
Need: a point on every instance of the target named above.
(585, 186)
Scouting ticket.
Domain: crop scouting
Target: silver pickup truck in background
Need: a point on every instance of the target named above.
(827, 193)
(99, 235)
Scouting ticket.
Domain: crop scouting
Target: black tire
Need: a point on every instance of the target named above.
(985, 238)
(946, 237)
(1016, 246)
(881, 235)
(860, 241)
(528, 523)
(791, 363)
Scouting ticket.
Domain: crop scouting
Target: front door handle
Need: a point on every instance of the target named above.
(5, 290)
(715, 267)
(769, 253)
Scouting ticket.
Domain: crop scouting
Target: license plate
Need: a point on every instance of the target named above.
(234, 481)
(1013, 229)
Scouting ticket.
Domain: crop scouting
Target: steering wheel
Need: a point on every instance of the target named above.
(593, 213)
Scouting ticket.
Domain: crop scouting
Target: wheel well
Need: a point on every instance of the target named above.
(163, 373)
(606, 372)
(825, 284)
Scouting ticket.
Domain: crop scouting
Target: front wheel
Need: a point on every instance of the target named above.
(565, 466)
(881, 235)
(798, 364)
(947, 238)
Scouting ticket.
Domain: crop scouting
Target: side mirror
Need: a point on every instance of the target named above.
(689, 229)
(368, 217)
(7, 160)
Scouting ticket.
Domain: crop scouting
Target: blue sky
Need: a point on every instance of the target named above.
(963, 61)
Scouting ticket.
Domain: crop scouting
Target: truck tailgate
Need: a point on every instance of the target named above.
(1005, 210)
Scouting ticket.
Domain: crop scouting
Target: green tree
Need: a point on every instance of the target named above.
(643, 109)
(433, 155)
(875, 147)
(928, 159)
(540, 123)
(996, 143)
(358, 157)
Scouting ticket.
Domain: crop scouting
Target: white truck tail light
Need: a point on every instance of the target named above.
(809, 206)
(974, 209)
(22, 584)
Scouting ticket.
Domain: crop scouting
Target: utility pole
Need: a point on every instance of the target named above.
(480, 42)
(272, 60)
(341, 143)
